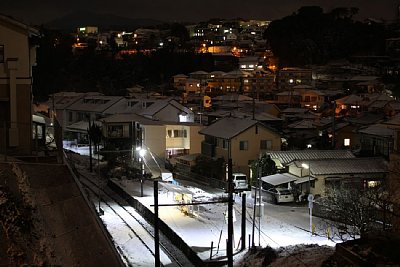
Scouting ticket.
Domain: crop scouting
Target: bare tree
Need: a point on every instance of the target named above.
(356, 211)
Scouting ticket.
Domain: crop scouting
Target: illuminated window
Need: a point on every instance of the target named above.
(251, 66)
(290, 80)
(243, 66)
(373, 183)
(346, 142)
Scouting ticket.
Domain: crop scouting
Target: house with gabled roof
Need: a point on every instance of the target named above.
(319, 174)
(161, 139)
(242, 140)
(377, 140)
(168, 110)
(313, 170)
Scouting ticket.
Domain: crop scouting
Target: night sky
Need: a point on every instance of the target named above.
(42, 11)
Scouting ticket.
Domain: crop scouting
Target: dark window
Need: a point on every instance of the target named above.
(266, 144)
(244, 145)
(1, 53)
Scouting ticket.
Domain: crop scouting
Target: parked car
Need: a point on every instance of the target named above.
(281, 195)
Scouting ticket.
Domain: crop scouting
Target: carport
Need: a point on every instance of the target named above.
(279, 179)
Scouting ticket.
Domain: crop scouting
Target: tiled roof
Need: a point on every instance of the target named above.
(345, 166)
(379, 130)
(286, 157)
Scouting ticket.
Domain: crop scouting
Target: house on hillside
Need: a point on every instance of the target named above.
(18, 44)
(242, 140)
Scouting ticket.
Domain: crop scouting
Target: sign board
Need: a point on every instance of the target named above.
(310, 199)
(167, 177)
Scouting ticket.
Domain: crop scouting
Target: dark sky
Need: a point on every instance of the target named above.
(42, 11)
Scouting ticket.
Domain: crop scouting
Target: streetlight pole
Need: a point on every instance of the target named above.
(142, 152)
(310, 197)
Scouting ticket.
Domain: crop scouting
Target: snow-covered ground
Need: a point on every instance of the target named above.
(207, 226)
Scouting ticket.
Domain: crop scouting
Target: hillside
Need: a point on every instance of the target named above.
(46, 221)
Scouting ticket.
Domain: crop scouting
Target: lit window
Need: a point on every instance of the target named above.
(243, 66)
(346, 142)
(251, 66)
(373, 183)
(290, 80)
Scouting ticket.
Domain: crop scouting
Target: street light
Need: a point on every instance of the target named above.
(307, 167)
(310, 197)
(142, 153)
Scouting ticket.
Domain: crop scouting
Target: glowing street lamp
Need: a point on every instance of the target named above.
(142, 153)
(310, 197)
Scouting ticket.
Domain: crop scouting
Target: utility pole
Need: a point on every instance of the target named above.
(243, 221)
(156, 227)
(229, 248)
(90, 147)
(333, 125)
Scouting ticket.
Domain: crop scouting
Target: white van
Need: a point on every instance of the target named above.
(240, 182)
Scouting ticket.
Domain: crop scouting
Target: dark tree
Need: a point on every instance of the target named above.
(262, 167)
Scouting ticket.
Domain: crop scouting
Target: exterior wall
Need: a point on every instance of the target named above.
(178, 142)
(154, 139)
(347, 132)
(311, 100)
(195, 139)
(15, 86)
(242, 158)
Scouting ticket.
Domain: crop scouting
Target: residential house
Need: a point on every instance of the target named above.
(315, 170)
(160, 139)
(17, 57)
(242, 140)
(377, 140)
(356, 173)
(179, 81)
(168, 110)
(289, 77)
(59, 104)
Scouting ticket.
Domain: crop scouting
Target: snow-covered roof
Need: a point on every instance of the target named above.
(228, 127)
(176, 188)
(350, 100)
(129, 117)
(292, 93)
(303, 124)
(98, 103)
(279, 178)
(232, 97)
(81, 126)
(345, 166)
(286, 157)
(379, 130)
(263, 116)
